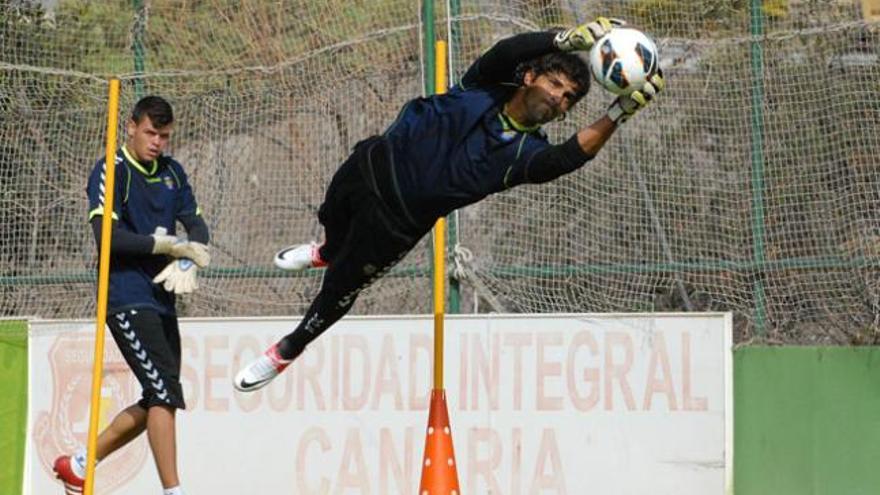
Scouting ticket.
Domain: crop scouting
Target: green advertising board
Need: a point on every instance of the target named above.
(807, 421)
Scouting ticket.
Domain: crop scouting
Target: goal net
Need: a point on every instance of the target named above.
(750, 186)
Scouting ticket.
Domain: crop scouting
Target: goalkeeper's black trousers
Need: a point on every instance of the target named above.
(364, 238)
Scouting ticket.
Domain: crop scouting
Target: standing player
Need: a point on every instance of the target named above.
(442, 153)
(149, 265)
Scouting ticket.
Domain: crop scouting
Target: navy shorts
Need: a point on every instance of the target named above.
(150, 343)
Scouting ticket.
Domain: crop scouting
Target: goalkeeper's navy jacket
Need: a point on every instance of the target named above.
(146, 197)
(448, 151)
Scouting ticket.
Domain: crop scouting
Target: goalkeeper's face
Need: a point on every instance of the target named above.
(145, 140)
(548, 95)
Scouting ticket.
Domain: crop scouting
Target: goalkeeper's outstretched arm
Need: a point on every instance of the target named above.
(554, 161)
(499, 63)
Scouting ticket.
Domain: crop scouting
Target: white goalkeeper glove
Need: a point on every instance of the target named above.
(179, 277)
(179, 248)
(584, 36)
(626, 106)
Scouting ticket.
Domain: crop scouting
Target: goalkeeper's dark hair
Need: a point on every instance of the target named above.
(156, 108)
(573, 66)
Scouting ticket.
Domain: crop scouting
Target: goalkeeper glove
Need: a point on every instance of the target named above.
(626, 106)
(178, 277)
(584, 36)
(178, 248)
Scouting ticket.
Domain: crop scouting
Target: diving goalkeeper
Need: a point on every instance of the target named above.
(442, 153)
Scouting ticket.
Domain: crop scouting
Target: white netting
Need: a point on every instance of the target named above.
(751, 186)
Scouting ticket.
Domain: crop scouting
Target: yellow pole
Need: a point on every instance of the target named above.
(439, 469)
(439, 298)
(439, 242)
(103, 282)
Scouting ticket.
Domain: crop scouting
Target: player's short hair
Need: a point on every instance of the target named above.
(573, 66)
(156, 108)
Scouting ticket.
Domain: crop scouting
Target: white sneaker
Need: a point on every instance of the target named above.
(299, 257)
(261, 371)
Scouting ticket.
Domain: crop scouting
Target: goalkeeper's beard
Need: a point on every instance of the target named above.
(539, 110)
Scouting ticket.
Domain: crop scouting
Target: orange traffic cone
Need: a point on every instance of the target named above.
(439, 474)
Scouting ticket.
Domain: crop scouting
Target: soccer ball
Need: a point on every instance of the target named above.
(623, 60)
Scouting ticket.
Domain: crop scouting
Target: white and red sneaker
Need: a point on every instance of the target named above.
(64, 471)
(261, 371)
(299, 257)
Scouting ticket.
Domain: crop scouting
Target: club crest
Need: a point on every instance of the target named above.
(65, 426)
(508, 135)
